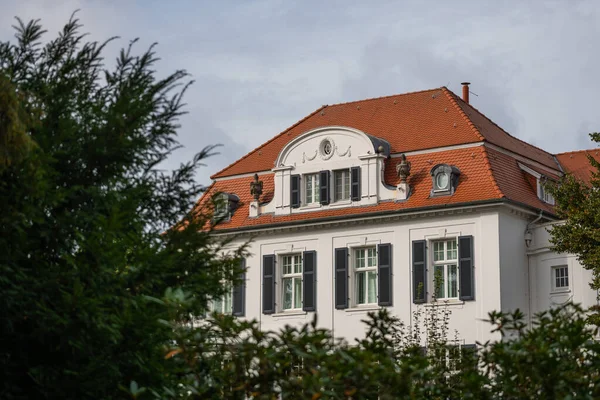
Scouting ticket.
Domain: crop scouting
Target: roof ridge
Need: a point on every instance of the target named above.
(498, 126)
(452, 97)
(486, 159)
(385, 97)
(213, 176)
(577, 151)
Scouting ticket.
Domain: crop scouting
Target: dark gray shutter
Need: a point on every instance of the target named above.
(309, 281)
(341, 278)
(384, 274)
(465, 268)
(355, 184)
(324, 183)
(295, 191)
(239, 293)
(268, 284)
(419, 263)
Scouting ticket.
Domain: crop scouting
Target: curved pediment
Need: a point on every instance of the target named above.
(330, 144)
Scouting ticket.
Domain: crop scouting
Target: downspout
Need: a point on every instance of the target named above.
(527, 234)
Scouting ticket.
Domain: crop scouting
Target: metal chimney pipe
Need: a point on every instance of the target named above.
(465, 95)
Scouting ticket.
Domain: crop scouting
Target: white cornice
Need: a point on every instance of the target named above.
(437, 149)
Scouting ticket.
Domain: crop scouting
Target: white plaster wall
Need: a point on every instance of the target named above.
(467, 317)
(542, 259)
(514, 273)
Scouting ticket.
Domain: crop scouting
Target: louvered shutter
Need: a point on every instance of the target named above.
(268, 284)
(295, 191)
(355, 184)
(239, 293)
(341, 278)
(384, 274)
(309, 281)
(466, 268)
(324, 186)
(419, 266)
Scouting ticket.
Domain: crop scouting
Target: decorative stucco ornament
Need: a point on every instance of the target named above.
(403, 169)
(256, 188)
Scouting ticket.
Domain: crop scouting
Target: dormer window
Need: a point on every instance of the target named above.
(445, 180)
(543, 194)
(311, 189)
(225, 204)
(538, 182)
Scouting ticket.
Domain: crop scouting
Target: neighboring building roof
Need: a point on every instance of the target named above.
(409, 122)
(578, 164)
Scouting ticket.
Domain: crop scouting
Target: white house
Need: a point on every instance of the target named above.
(362, 204)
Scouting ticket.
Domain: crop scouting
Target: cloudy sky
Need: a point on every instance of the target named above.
(260, 66)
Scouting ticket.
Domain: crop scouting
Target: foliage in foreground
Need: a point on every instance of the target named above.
(231, 359)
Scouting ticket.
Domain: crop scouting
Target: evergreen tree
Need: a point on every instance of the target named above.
(86, 249)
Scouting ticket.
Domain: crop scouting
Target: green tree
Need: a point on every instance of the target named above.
(578, 202)
(87, 257)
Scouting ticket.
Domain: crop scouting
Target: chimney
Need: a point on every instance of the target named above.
(466, 91)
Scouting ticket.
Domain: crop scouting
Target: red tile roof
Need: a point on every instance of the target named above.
(414, 121)
(578, 164)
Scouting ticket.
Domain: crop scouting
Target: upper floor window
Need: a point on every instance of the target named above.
(342, 184)
(365, 275)
(292, 282)
(224, 304)
(560, 277)
(311, 188)
(544, 195)
(445, 279)
(445, 180)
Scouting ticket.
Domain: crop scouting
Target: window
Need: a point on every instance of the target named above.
(445, 269)
(365, 275)
(224, 206)
(222, 305)
(560, 277)
(545, 196)
(311, 188)
(342, 184)
(445, 179)
(292, 282)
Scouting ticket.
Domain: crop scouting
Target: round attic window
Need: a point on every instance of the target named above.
(441, 180)
(326, 148)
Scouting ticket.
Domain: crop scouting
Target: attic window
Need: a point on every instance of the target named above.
(445, 180)
(543, 194)
(225, 205)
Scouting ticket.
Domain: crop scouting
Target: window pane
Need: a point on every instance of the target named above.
(346, 184)
(317, 192)
(438, 281)
(361, 285)
(360, 258)
(438, 251)
(297, 264)
(297, 293)
(227, 299)
(287, 294)
(451, 252)
(372, 262)
(309, 189)
(452, 281)
(287, 264)
(217, 305)
(372, 289)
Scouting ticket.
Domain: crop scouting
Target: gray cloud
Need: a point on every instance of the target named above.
(262, 65)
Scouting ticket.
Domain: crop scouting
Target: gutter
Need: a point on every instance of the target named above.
(386, 213)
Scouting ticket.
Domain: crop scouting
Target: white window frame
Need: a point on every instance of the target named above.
(223, 304)
(294, 275)
(446, 263)
(315, 193)
(544, 195)
(565, 278)
(345, 184)
(370, 267)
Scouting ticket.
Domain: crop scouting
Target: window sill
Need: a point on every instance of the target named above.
(371, 307)
(291, 313)
(443, 303)
(560, 291)
(311, 206)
